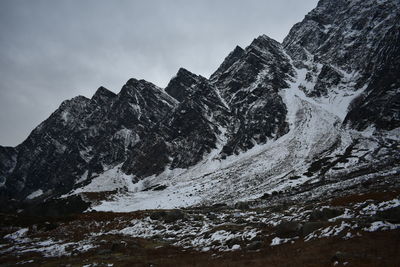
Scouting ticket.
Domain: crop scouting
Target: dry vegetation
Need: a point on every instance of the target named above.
(380, 248)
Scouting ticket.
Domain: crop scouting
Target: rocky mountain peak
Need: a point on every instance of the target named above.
(182, 85)
(263, 43)
(103, 95)
(77, 100)
(142, 92)
(233, 57)
(134, 87)
(137, 85)
(343, 33)
(69, 113)
(263, 60)
(237, 52)
(182, 72)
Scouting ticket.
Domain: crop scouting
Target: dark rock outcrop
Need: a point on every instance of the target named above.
(250, 81)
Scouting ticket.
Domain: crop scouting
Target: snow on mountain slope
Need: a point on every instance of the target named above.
(315, 132)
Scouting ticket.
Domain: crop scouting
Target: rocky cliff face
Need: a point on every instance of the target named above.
(269, 112)
(358, 38)
(380, 104)
(187, 133)
(250, 81)
(8, 159)
(84, 135)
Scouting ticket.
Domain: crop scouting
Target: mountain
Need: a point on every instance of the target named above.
(287, 147)
(314, 115)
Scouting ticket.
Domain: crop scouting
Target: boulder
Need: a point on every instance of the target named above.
(157, 215)
(173, 216)
(242, 205)
(265, 196)
(234, 241)
(310, 227)
(325, 214)
(391, 215)
(167, 216)
(254, 245)
(288, 229)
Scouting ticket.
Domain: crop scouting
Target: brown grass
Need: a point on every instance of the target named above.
(357, 198)
(371, 249)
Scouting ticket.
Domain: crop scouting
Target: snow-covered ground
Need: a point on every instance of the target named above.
(205, 229)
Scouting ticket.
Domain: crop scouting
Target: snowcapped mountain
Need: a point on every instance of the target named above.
(314, 116)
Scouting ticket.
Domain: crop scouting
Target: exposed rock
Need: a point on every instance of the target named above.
(242, 205)
(197, 218)
(391, 215)
(288, 229)
(212, 216)
(157, 215)
(159, 226)
(234, 241)
(327, 78)
(309, 227)
(360, 37)
(167, 216)
(58, 207)
(250, 86)
(254, 245)
(325, 214)
(8, 160)
(181, 86)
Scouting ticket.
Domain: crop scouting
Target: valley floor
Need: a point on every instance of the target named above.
(353, 230)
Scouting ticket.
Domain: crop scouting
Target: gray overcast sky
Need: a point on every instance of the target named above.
(53, 50)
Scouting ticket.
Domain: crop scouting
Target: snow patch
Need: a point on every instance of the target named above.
(18, 234)
(110, 180)
(35, 194)
(279, 241)
(381, 226)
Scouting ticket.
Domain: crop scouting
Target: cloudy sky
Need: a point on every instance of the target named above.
(53, 50)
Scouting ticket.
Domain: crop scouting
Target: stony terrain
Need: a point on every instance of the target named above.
(215, 234)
